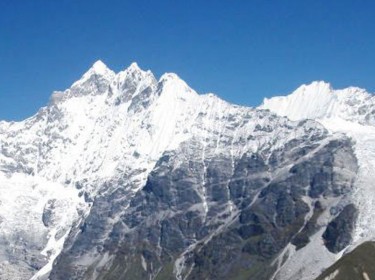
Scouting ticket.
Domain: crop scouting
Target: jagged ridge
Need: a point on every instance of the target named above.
(107, 143)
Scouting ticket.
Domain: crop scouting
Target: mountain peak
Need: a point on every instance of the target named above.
(134, 66)
(132, 69)
(318, 100)
(169, 77)
(99, 67)
(172, 83)
(318, 84)
(315, 87)
(311, 101)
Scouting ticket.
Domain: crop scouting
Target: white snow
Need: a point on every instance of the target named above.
(98, 68)
(364, 137)
(349, 111)
(306, 263)
(89, 134)
(107, 125)
(318, 100)
(21, 207)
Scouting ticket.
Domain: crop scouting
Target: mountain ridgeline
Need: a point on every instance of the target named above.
(125, 176)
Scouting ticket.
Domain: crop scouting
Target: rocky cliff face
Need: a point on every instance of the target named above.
(350, 112)
(123, 176)
(207, 215)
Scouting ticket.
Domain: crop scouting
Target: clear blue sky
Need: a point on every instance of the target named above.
(240, 50)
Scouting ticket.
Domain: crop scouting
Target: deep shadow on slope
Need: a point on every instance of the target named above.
(357, 265)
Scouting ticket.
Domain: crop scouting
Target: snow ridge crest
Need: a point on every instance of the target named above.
(319, 100)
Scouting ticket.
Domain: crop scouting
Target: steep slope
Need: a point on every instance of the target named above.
(123, 176)
(349, 111)
(86, 136)
(203, 196)
(319, 101)
(222, 184)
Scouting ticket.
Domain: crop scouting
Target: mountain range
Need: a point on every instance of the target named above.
(126, 176)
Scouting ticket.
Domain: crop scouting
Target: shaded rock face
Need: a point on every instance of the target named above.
(338, 233)
(126, 177)
(215, 217)
(48, 212)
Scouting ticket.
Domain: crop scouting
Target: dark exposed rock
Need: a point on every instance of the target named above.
(47, 217)
(311, 227)
(186, 204)
(338, 233)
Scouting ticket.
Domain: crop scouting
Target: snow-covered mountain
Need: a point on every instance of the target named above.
(319, 101)
(123, 176)
(350, 111)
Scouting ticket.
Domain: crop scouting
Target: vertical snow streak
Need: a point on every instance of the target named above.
(203, 191)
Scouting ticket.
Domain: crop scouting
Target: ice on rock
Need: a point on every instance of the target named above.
(99, 69)
(350, 111)
(110, 124)
(87, 135)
